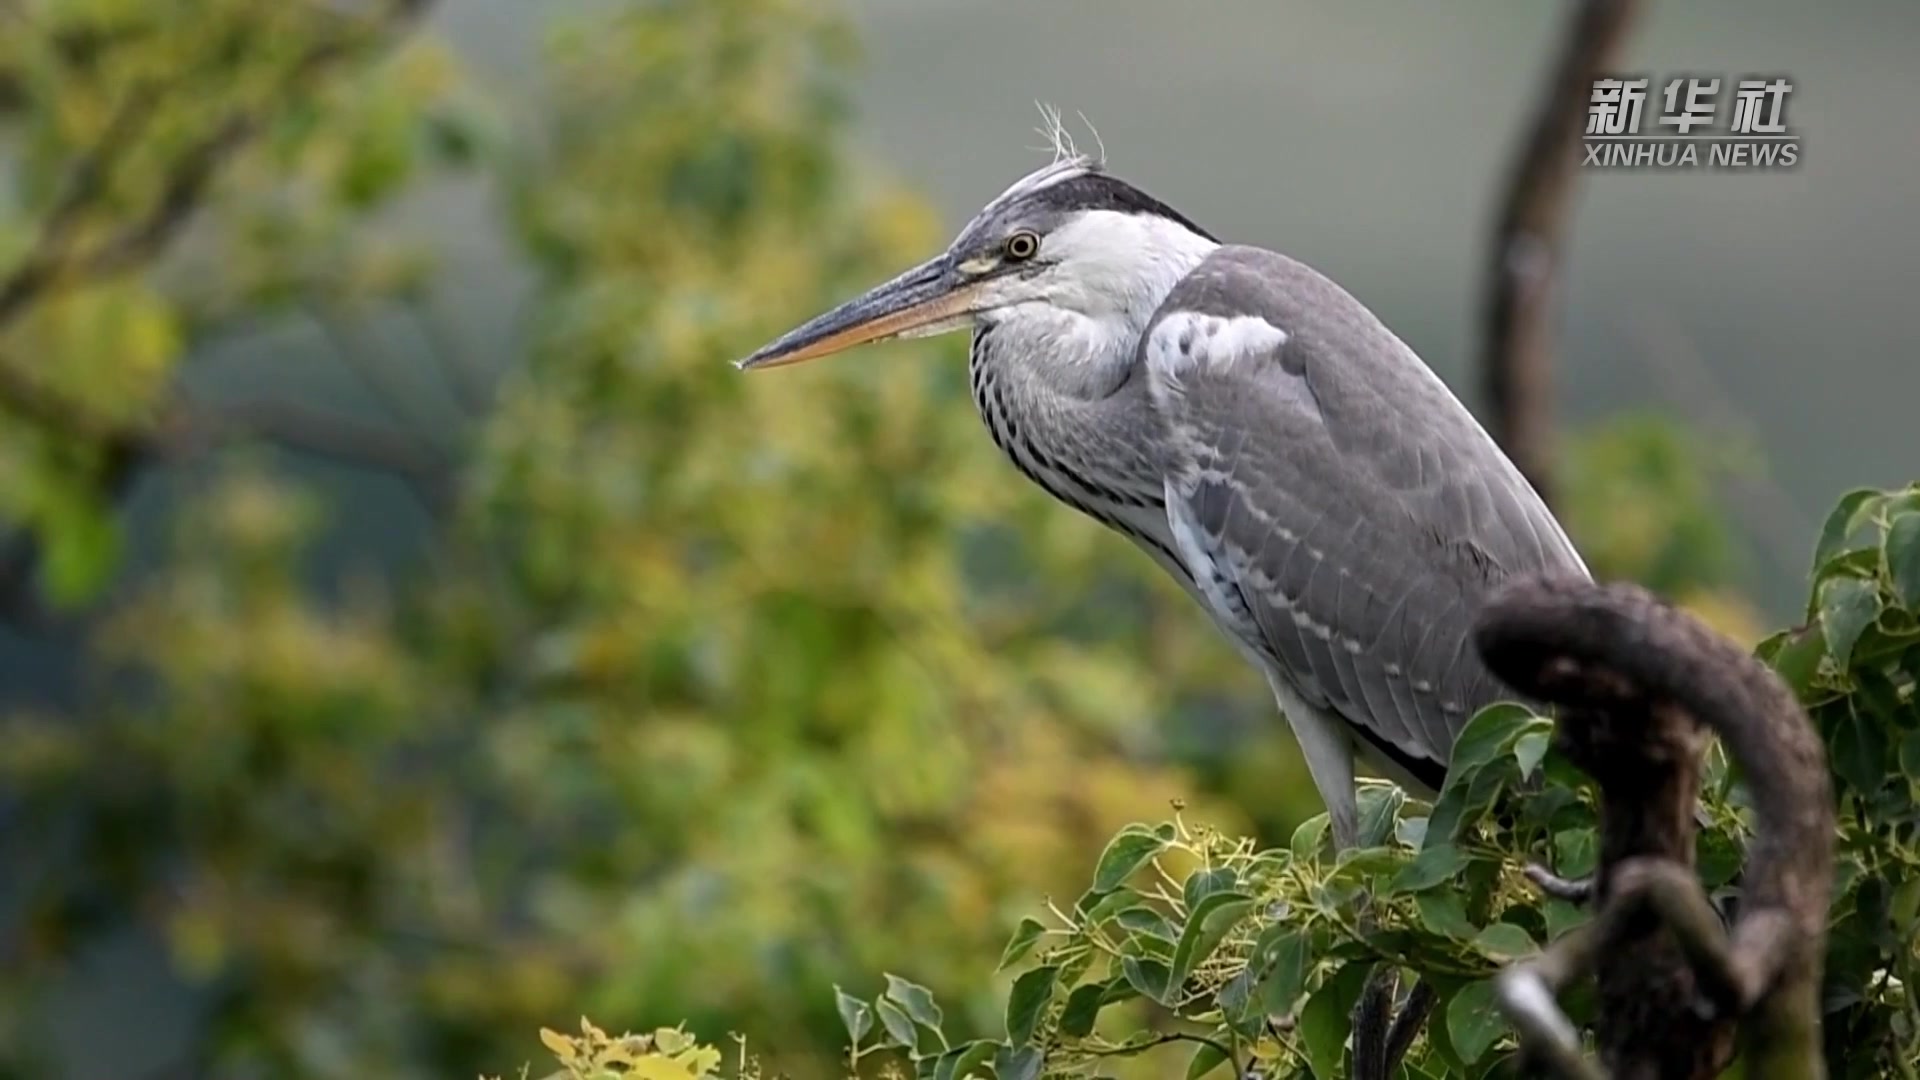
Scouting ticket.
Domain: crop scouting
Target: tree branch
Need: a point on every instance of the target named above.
(1522, 262)
(179, 426)
(85, 182)
(1640, 684)
(138, 242)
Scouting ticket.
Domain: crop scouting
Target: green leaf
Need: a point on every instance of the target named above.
(1209, 924)
(1283, 953)
(1488, 735)
(1902, 548)
(1306, 840)
(1876, 696)
(900, 1029)
(1328, 1016)
(1462, 803)
(1718, 857)
(1146, 975)
(1575, 852)
(1027, 1001)
(1099, 907)
(1206, 1059)
(1082, 1009)
(854, 1015)
(1859, 749)
(1795, 656)
(1474, 1023)
(1145, 920)
(1205, 883)
(917, 1000)
(1126, 853)
(1379, 810)
(1910, 754)
(1561, 917)
(1024, 936)
(1842, 523)
(80, 551)
(1022, 1063)
(1412, 832)
(1504, 941)
(1366, 864)
(1431, 867)
(964, 1059)
(1445, 914)
(1847, 607)
(1236, 1001)
(1529, 749)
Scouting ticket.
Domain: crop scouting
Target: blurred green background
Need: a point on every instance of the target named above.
(413, 632)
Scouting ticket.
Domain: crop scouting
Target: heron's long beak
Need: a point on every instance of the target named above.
(925, 300)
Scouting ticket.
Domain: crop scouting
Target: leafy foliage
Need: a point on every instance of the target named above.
(1255, 956)
(708, 690)
(1195, 942)
(1644, 496)
(1192, 941)
(1855, 664)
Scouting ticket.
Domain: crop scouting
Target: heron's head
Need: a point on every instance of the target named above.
(1069, 238)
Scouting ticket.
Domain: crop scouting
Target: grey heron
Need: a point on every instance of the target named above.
(1258, 432)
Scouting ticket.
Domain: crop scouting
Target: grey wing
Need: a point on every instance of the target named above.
(1353, 511)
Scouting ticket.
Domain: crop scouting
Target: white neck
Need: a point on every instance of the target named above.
(1078, 337)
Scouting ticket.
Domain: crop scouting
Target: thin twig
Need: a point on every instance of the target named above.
(85, 181)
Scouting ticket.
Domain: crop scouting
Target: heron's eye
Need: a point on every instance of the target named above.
(1022, 246)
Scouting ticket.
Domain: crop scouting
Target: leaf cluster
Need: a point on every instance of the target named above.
(1855, 664)
(1253, 958)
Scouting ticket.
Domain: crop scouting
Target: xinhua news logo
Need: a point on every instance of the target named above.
(1688, 132)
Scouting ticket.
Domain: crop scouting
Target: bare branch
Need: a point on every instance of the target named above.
(1523, 261)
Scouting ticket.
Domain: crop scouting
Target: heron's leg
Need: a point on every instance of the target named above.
(1372, 1024)
(1412, 1017)
(1327, 746)
(1379, 1045)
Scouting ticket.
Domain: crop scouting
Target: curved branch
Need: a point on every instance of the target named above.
(1640, 682)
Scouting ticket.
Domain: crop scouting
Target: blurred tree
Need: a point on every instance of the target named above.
(709, 693)
(1641, 496)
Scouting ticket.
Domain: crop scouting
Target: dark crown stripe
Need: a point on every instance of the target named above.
(1100, 191)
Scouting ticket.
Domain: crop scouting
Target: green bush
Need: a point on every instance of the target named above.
(1192, 941)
